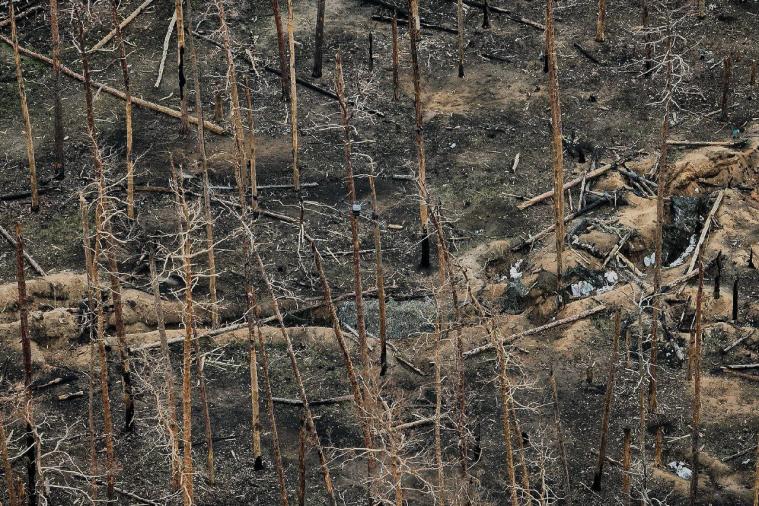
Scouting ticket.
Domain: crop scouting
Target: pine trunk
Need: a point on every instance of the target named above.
(556, 145)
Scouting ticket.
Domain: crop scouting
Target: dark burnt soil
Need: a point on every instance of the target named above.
(474, 128)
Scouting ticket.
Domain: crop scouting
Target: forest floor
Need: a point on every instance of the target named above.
(474, 129)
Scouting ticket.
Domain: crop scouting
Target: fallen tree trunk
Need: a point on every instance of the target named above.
(102, 42)
(569, 184)
(139, 102)
(704, 232)
(21, 15)
(422, 24)
(536, 330)
(508, 14)
(701, 144)
(317, 402)
(33, 263)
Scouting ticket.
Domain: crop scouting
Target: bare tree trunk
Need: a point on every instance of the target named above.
(281, 45)
(756, 475)
(10, 476)
(626, 464)
(180, 64)
(55, 41)
(523, 469)
(172, 425)
(727, 75)
(28, 136)
(253, 177)
(485, 15)
(293, 95)
(696, 408)
(439, 466)
(609, 395)
(415, 37)
(310, 424)
(253, 361)
(379, 275)
(557, 147)
(127, 108)
(97, 300)
(752, 77)
(601, 22)
(318, 39)
(641, 403)
(235, 105)
(647, 46)
(200, 364)
(660, 196)
(302, 462)
(396, 80)
(560, 436)
(210, 246)
(267, 389)
(658, 443)
(460, 30)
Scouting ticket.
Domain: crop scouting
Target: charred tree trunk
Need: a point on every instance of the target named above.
(281, 46)
(696, 408)
(28, 136)
(460, 29)
(371, 52)
(396, 80)
(318, 39)
(557, 148)
(735, 301)
(293, 95)
(752, 77)
(10, 476)
(415, 37)
(727, 76)
(200, 360)
(560, 437)
(439, 467)
(626, 464)
(185, 125)
(485, 15)
(59, 165)
(253, 364)
(608, 397)
(647, 46)
(210, 246)
(661, 181)
(252, 176)
(234, 104)
(601, 22)
(172, 424)
(379, 275)
(302, 462)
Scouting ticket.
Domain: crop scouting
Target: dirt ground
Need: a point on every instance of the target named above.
(474, 128)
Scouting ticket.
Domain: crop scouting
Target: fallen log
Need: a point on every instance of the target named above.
(26, 194)
(416, 423)
(508, 14)
(704, 232)
(701, 144)
(735, 367)
(32, 262)
(742, 375)
(638, 178)
(570, 184)
(392, 8)
(317, 402)
(422, 24)
(586, 53)
(537, 330)
(735, 343)
(124, 23)
(137, 101)
(61, 380)
(70, 395)
(21, 15)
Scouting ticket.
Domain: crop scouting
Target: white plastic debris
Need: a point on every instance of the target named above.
(581, 289)
(650, 259)
(611, 277)
(514, 271)
(453, 145)
(681, 469)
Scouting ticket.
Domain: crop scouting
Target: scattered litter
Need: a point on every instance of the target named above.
(453, 145)
(650, 259)
(685, 254)
(514, 272)
(393, 226)
(611, 277)
(681, 469)
(581, 289)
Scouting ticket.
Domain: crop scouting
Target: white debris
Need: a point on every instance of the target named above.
(514, 272)
(650, 259)
(611, 277)
(581, 289)
(453, 145)
(681, 469)
(685, 254)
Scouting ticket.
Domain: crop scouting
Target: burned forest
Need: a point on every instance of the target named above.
(379, 252)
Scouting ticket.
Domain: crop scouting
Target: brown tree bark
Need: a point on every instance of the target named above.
(28, 136)
(281, 46)
(460, 29)
(55, 41)
(556, 145)
(379, 274)
(318, 39)
(560, 437)
(200, 360)
(626, 464)
(293, 95)
(10, 476)
(253, 362)
(727, 76)
(608, 397)
(696, 407)
(415, 37)
(396, 79)
(601, 22)
(252, 176)
(173, 424)
(184, 125)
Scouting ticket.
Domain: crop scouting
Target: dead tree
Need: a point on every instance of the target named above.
(396, 80)
(200, 360)
(172, 425)
(55, 41)
(26, 350)
(523, 469)
(609, 395)
(180, 63)
(379, 275)
(234, 104)
(318, 39)
(696, 407)
(310, 424)
(353, 213)
(97, 300)
(10, 476)
(560, 437)
(485, 15)
(439, 466)
(415, 37)
(302, 436)
(460, 29)
(252, 176)
(658, 257)
(626, 464)
(127, 108)
(601, 22)
(756, 474)
(253, 363)
(293, 95)
(752, 77)
(727, 75)
(28, 135)
(557, 147)
(648, 47)
(283, 74)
